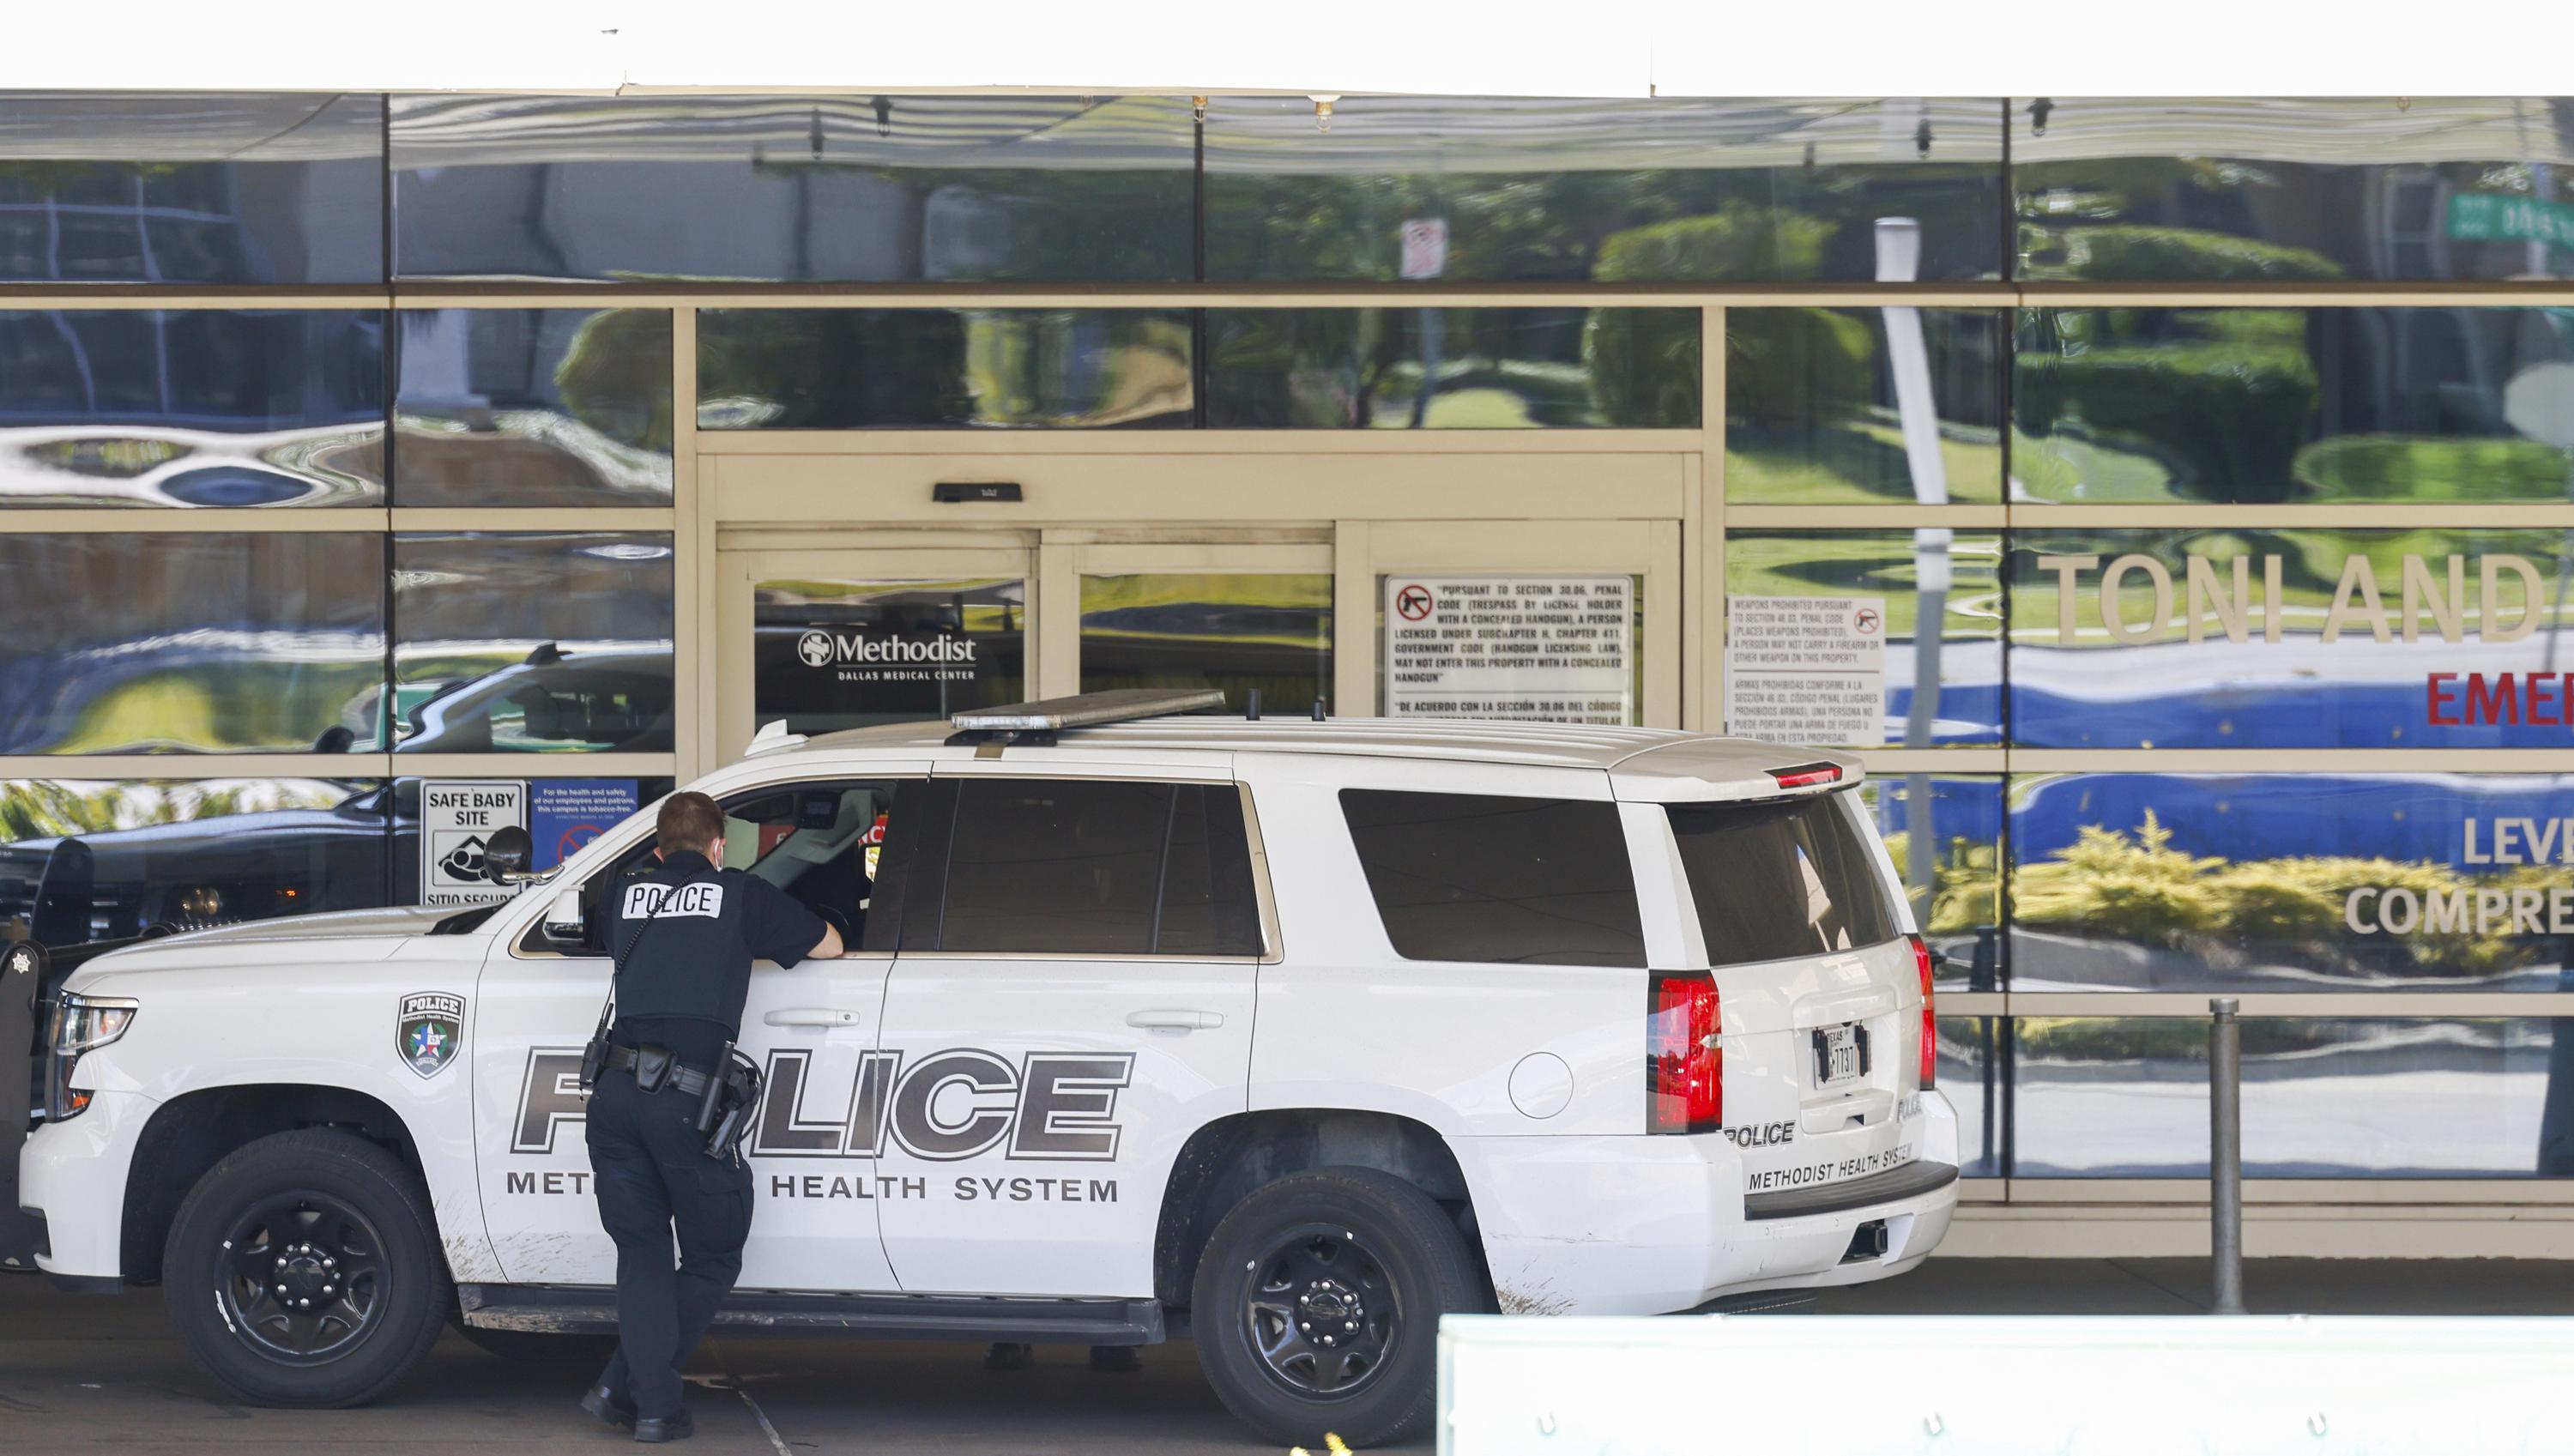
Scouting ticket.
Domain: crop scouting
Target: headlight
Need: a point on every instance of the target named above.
(81, 1025)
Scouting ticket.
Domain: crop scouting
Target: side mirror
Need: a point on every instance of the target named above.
(507, 854)
(564, 920)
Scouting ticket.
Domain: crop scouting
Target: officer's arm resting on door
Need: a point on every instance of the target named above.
(782, 930)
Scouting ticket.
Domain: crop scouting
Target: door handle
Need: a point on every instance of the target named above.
(1174, 1020)
(812, 1017)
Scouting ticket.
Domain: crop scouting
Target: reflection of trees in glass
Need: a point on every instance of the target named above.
(846, 369)
(32, 809)
(1453, 369)
(2139, 889)
(2260, 405)
(1967, 883)
(616, 376)
(2218, 398)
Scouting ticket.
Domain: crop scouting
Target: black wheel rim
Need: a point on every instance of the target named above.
(1322, 1315)
(302, 1278)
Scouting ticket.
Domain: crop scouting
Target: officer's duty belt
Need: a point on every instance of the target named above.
(682, 1079)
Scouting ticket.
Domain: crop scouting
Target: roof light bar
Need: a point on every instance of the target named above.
(1806, 775)
(1085, 709)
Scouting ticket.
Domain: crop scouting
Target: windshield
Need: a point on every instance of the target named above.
(1786, 877)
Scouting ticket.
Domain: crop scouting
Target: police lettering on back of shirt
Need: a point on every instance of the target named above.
(688, 933)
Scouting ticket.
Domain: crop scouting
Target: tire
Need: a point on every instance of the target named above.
(329, 1218)
(1379, 1257)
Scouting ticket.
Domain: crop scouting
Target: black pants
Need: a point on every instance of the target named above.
(652, 1173)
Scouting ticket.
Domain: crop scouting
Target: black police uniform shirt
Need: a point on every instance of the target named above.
(690, 933)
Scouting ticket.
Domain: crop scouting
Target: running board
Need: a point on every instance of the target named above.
(591, 1309)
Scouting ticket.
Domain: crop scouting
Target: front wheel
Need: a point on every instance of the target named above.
(305, 1270)
(1317, 1305)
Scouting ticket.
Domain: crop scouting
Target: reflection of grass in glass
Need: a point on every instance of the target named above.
(1479, 394)
(2311, 566)
(1290, 591)
(1866, 564)
(2395, 468)
(1858, 462)
(219, 708)
(2110, 885)
(2065, 467)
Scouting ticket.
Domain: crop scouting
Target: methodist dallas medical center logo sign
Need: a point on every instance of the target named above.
(428, 1029)
(858, 656)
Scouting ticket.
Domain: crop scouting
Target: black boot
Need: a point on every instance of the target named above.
(657, 1428)
(609, 1407)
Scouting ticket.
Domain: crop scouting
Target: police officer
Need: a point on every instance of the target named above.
(685, 937)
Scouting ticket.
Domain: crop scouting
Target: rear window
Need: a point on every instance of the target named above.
(1771, 880)
(1467, 876)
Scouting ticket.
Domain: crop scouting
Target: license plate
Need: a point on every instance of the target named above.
(1838, 1055)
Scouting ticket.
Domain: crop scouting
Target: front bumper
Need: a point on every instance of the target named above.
(1649, 1225)
(73, 1174)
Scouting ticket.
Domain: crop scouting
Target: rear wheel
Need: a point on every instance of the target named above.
(305, 1270)
(1317, 1305)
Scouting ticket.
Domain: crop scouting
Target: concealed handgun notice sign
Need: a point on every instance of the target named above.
(1544, 649)
(457, 817)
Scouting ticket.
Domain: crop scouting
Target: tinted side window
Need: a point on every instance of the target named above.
(1208, 907)
(1097, 867)
(1469, 877)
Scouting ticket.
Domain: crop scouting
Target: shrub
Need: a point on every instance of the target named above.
(1644, 363)
(2128, 253)
(2226, 417)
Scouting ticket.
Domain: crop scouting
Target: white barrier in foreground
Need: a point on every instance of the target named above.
(2003, 1386)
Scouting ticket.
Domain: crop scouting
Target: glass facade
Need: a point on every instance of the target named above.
(1815, 406)
(2253, 406)
(1490, 189)
(101, 860)
(929, 368)
(2012, 540)
(2291, 190)
(531, 643)
(193, 406)
(1268, 633)
(791, 189)
(1452, 369)
(1933, 688)
(830, 654)
(533, 406)
(210, 188)
(190, 644)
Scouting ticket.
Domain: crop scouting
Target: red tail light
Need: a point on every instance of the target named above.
(1806, 775)
(1685, 1060)
(1930, 1022)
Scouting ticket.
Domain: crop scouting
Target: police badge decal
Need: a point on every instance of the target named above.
(428, 1032)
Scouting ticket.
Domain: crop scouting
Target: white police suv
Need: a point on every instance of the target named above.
(1285, 1035)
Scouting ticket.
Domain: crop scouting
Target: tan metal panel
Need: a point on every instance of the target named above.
(161, 520)
(1057, 444)
(1868, 516)
(1085, 490)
